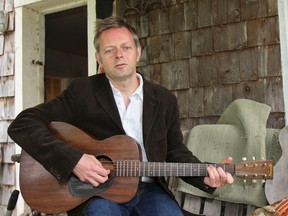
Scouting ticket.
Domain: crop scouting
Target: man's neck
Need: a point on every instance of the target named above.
(127, 87)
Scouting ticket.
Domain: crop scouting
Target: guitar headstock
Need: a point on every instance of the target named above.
(255, 170)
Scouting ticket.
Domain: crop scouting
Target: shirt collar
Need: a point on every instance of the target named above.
(138, 91)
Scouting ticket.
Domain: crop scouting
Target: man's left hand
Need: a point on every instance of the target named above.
(217, 177)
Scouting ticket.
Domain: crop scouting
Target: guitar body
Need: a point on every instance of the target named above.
(41, 190)
(276, 189)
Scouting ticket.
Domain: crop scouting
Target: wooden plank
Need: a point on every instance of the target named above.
(272, 7)
(191, 14)
(214, 103)
(164, 26)
(250, 210)
(269, 60)
(202, 41)
(262, 31)
(252, 9)
(3, 131)
(192, 204)
(212, 207)
(253, 90)
(195, 109)
(7, 86)
(233, 209)
(2, 41)
(276, 120)
(9, 5)
(8, 151)
(6, 108)
(248, 61)
(178, 24)
(159, 48)
(11, 24)
(203, 71)
(182, 41)
(8, 174)
(228, 67)
(8, 64)
(204, 13)
(232, 36)
(225, 11)
(2, 2)
(174, 75)
(274, 94)
(183, 103)
(154, 22)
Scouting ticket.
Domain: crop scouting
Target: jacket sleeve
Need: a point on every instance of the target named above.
(178, 151)
(29, 131)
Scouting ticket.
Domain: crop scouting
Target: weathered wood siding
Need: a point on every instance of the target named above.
(7, 167)
(211, 52)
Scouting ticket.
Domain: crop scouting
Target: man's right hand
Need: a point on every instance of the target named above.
(89, 169)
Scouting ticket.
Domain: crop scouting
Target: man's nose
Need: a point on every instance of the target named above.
(119, 53)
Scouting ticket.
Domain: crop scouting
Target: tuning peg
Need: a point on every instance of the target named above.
(253, 158)
(254, 181)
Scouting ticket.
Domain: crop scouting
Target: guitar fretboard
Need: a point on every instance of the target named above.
(131, 168)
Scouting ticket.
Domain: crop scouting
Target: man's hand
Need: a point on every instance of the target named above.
(89, 169)
(217, 176)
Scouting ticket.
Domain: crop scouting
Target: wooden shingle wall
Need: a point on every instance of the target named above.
(211, 52)
(7, 167)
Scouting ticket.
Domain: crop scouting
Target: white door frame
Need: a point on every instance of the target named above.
(283, 29)
(30, 49)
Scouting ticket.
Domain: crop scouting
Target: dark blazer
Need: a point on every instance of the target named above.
(88, 103)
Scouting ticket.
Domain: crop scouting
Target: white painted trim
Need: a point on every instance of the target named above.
(49, 6)
(283, 29)
(92, 64)
(18, 100)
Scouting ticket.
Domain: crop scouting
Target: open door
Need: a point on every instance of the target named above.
(66, 50)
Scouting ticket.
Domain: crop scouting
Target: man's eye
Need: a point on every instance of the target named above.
(125, 48)
(109, 51)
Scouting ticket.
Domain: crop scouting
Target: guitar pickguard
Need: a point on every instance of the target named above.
(78, 188)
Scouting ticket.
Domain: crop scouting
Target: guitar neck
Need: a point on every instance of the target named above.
(152, 169)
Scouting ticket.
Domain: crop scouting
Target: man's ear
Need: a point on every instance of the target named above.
(98, 59)
(139, 52)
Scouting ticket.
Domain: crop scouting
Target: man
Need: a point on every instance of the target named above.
(118, 101)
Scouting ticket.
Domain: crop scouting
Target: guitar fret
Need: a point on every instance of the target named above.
(149, 170)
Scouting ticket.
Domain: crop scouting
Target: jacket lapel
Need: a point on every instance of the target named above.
(104, 96)
(150, 109)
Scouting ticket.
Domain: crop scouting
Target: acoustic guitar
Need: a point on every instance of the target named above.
(121, 154)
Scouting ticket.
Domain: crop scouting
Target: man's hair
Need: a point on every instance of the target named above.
(112, 22)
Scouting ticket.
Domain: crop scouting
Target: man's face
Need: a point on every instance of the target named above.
(118, 54)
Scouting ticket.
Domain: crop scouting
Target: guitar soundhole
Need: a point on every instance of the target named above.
(107, 164)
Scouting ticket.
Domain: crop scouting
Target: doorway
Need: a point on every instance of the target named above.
(66, 49)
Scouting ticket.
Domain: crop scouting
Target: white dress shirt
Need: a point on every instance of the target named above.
(131, 117)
